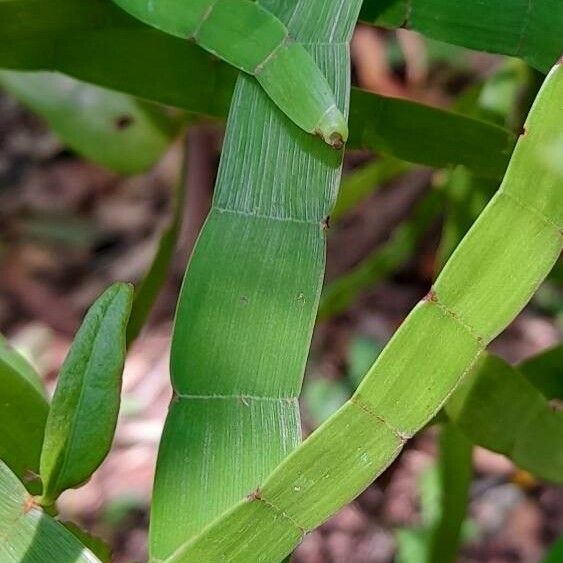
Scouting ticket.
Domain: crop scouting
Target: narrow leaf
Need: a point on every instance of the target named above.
(85, 406)
(147, 292)
(28, 534)
(499, 409)
(109, 128)
(519, 28)
(23, 414)
(455, 474)
(395, 127)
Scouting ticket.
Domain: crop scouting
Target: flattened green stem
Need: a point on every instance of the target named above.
(489, 278)
(249, 299)
(252, 39)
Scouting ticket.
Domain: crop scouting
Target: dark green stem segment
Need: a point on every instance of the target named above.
(249, 37)
(488, 279)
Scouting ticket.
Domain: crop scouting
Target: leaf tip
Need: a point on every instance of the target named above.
(332, 128)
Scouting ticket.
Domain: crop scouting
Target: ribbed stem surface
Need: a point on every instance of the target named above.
(249, 300)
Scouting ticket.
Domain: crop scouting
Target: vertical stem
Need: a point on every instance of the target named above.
(455, 471)
(250, 296)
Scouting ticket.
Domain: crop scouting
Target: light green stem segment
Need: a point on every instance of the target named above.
(249, 299)
(29, 535)
(252, 39)
(527, 29)
(499, 409)
(489, 278)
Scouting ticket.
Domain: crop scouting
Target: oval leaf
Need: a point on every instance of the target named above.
(85, 406)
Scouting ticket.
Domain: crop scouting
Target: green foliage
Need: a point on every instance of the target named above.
(29, 534)
(497, 408)
(95, 41)
(544, 372)
(84, 410)
(530, 30)
(23, 413)
(237, 377)
(112, 129)
(232, 481)
(555, 554)
(488, 279)
(455, 474)
(396, 127)
(252, 39)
